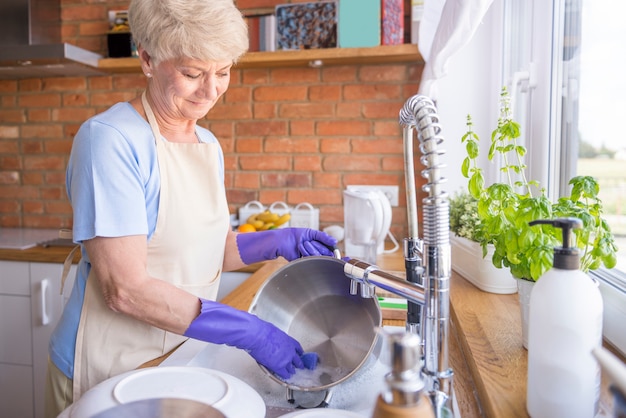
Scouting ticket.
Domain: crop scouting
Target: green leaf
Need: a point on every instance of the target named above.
(584, 187)
(541, 261)
(465, 167)
(512, 246)
(496, 260)
(499, 191)
(609, 260)
(527, 237)
(472, 149)
(475, 184)
(492, 151)
(511, 129)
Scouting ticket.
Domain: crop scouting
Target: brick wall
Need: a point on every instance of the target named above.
(289, 134)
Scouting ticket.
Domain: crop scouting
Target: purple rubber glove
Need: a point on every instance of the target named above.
(268, 345)
(291, 243)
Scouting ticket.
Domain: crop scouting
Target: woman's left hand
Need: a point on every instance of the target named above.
(290, 243)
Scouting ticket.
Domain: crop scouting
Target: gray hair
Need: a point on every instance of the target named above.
(208, 30)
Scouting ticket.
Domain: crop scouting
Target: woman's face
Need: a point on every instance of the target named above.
(188, 88)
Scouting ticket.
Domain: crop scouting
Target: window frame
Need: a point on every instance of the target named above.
(538, 79)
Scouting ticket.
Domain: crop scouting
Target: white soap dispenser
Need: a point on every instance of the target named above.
(565, 324)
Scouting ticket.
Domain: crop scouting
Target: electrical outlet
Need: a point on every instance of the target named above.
(390, 191)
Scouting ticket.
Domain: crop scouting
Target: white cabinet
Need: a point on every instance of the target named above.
(16, 371)
(30, 307)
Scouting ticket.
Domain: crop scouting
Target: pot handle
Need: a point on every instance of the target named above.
(337, 254)
(324, 404)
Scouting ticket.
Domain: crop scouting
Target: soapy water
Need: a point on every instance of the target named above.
(357, 393)
(320, 376)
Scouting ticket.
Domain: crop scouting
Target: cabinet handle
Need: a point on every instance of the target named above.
(45, 319)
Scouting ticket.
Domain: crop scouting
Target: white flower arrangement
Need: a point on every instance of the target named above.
(464, 219)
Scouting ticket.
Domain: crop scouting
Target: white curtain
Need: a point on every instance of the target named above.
(446, 27)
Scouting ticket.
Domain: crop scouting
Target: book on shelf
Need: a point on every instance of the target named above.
(261, 32)
(253, 32)
(417, 13)
(392, 25)
(358, 23)
(267, 30)
(306, 25)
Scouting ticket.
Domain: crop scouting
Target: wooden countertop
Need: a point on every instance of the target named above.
(40, 254)
(58, 254)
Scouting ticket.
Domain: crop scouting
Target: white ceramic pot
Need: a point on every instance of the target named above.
(524, 288)
(468, 261)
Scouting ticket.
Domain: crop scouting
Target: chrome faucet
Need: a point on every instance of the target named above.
(427, 261)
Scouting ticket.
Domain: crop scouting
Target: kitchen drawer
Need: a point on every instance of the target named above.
(15, 330)
(14, 278)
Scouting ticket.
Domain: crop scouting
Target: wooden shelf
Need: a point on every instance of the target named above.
(330, 56)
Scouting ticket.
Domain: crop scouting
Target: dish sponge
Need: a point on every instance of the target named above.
(310, 360)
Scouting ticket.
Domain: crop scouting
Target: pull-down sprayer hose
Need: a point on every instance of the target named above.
(419, 113)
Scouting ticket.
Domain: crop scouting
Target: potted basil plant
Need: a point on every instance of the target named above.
(506, 208)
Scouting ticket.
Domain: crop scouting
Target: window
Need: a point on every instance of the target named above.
(602, 107)
(596, 117)
(564, 60)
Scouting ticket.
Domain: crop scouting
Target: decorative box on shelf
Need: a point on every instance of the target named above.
(358, 23)
(468, 261)
(306, 25)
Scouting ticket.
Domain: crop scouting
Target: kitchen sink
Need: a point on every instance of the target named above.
(357, 394)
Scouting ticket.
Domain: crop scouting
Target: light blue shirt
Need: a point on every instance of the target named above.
(113, 183)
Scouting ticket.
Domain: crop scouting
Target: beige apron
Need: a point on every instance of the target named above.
(186, 249)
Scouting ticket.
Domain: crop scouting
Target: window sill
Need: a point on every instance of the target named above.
(614, 312)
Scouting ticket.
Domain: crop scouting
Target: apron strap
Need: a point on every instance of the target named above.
(67, 264)
(151, 118)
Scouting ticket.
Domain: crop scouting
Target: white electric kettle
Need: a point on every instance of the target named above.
(367, 218)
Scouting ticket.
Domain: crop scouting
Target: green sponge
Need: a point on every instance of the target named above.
(310, 360)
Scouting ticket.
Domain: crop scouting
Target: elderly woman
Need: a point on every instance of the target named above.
(146, 185)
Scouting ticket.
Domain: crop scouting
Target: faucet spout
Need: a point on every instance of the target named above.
(369, 275)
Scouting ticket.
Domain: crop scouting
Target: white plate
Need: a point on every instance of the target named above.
(202, 385)
(228, 394)
(323, 413)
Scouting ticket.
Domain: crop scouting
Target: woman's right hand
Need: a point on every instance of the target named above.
(276, 350)
(268, 345)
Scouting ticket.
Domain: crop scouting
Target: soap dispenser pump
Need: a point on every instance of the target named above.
(564, 326)
(405, 396)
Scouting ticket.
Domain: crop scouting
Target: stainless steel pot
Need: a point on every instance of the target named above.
(310, 300)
